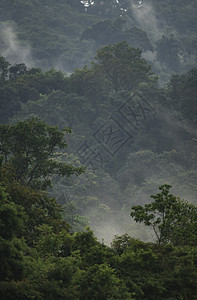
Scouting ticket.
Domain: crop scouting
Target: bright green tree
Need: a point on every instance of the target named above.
(172, 219)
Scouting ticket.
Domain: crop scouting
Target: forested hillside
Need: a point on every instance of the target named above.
(131, 134)
(66, 34)
(98, 109)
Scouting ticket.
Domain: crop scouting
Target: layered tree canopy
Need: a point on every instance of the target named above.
(122, 75)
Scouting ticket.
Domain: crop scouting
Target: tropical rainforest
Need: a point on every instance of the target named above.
(98, 149)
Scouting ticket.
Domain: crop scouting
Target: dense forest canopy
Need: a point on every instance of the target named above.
(98, 109)
(66, 34)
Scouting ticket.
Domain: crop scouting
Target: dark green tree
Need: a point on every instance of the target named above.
(12, 221)
(30, 148)
(182, 90)
(17, 70)
(123, 67)
(116, 68)
(4, 64)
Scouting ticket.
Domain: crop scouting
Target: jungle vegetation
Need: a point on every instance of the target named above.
(98, 149)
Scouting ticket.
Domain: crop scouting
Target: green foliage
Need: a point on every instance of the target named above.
(57, 264)
(111, 32)
(155, 271)
(173, 220)
(16, 71)
(117, 69)
(12, 222)
(3, 68)
(54, 30)
(12, 217)
(161, 144)
(23, 84)
(182, 91)
(101, 282)
(56, 109)
(29, 148)
(45, 82)
(20, 290)
(11, 259)
(50, 243)
(48, 27)
(39, 208)
(77, 222)
(123, 66)
(122, 242)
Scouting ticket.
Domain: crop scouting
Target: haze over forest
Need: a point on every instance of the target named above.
(119, 79)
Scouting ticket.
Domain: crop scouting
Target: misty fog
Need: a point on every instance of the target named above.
(136, 170)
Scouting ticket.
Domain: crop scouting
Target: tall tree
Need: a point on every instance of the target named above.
(173, 220)
(30, 148)
(123, 66)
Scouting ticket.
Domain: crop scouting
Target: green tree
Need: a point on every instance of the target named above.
(3, 68)
(101, 282)
(45, 82)
(123, 66)
(155, 271)
(16, 71)
(117, 68)
(182, 91)
(30, 148)
(39, 208)
(173, 220)
(12, 221)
